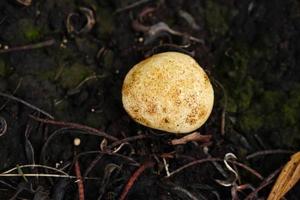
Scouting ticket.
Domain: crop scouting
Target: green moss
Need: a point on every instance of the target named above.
(23, 31)
(3, 69)
(47, 74)
(250, 121)
(290, 114)
(241, 96)
(108, 59)
(30, 31)
(87, 46)
(217, 17)
(234, 65)
(62, 109)
(71, 76)
(105, 22)
(271, 100)
(231, 105)
(291, 108)
(245, 93)
(94, 119)
(275, 116)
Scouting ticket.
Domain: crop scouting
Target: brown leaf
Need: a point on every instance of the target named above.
(287, 178)
(25, 2)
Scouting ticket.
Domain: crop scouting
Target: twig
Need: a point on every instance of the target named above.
(3, 126)
(192, 164)
(61, 175)
(88, 79)
(59, 132)
(249, 169)
(92, 165)
(79, 181)
(263, 184)
(134, 177)
(13, 93)
(108, 153)
(128, 139)
(195, 136)
(110, 147)
(90, 21)
(225, 101)
(268, 152)
(75, 126)
(173, 47)
(146, 11)
(8, 185)
(231, 180)
(26, 104)
(38, 175)
(29, 46)
(186, 192)
(135, 4)
(196, 162)
(34, 166)
(166, 165)
(46, 175)
(3, 19)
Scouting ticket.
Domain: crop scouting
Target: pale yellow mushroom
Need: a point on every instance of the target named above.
(169, 92)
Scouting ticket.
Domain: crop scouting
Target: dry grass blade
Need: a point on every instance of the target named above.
(288, 177)
(196, 136)
(25, 2)
(35, 166)
(3, 126)
(25, 103)
(38, 45)
(75, 126)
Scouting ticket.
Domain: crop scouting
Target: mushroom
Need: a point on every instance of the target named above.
(168, 91)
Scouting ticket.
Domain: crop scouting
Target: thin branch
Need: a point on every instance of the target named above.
(263, 184)
(135, 4)
(13, 93)
(35, 166)
(108, 153)
(268, 152)
(249, 169)
(26, 104)
(79, 181)
(186, 192)
(39, 175)
(75, 126)
(134, 177)
(196, 162)
(128, 139)
(29, 46)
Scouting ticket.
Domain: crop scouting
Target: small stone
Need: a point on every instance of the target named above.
(169, 92)
(77, 141)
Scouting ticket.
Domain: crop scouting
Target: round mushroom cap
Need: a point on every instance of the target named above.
(169, 92)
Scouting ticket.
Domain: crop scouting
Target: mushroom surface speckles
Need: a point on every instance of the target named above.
(168, 91)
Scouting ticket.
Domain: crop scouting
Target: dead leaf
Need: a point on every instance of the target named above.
(287, 178)
(195, 136)
(25, 2)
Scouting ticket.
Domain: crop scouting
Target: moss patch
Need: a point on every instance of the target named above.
(73, 75)
(105, 20)
(3, 69)
(217, 18)
(23, 31)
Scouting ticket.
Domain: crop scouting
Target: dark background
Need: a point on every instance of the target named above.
(250, 50)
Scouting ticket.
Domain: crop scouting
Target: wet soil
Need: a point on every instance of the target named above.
(66, 60)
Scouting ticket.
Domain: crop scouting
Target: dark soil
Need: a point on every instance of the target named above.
(55, 58)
